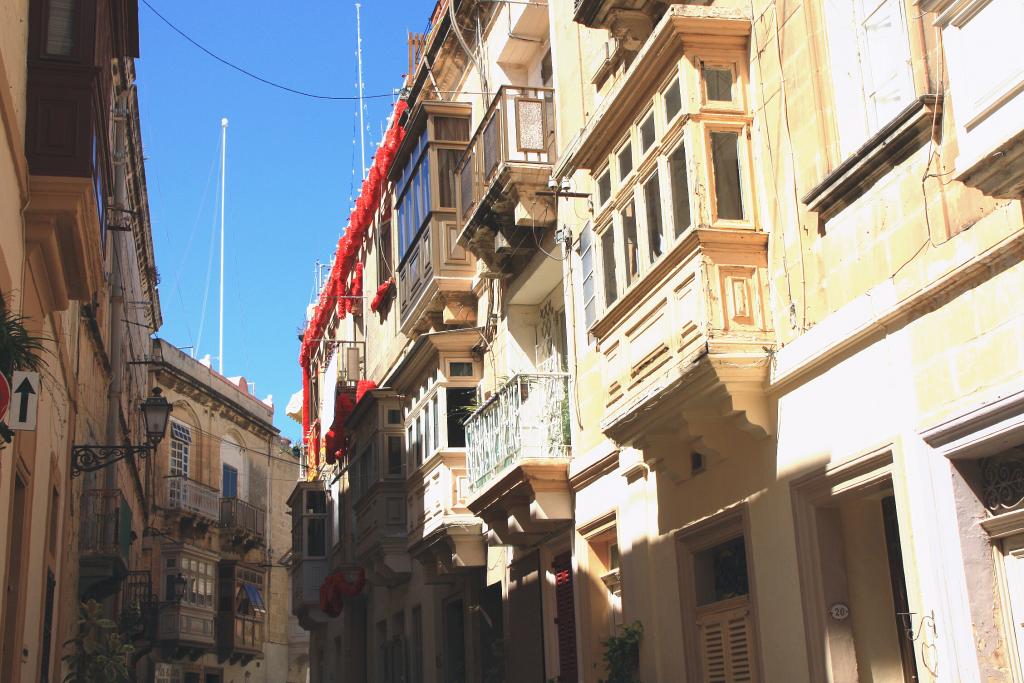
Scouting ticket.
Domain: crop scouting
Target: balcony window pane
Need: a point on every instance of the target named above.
(652, 201)
(725, 159)
(394, 455)
(625, 156)
(611, 289)
(428, 441)
(461, 401)
(604, 187)
(60, 27)
(586, 252)
(446, 161)
(316, 537)
(718, 84)
(436, 405)
(647, 133)
(229, 483)
(673, 100)
(680, 189)
(451, 128)
(316, 502)
(628, 216)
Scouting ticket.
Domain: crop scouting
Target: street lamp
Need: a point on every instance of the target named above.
(156, 412)
(180, 585)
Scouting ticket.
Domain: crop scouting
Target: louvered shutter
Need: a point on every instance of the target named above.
(727, 643)
(565, 619)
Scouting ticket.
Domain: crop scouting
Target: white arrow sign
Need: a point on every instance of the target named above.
(24, 401)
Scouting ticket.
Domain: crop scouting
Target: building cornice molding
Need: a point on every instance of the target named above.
(985, 429)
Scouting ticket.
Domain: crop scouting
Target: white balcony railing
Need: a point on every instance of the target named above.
(526, 418)
(194, 498)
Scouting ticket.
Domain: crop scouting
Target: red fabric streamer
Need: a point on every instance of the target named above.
(362, 386)
(382, 293)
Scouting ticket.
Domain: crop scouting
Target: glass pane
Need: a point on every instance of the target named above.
(611, 289)
(718, 84)
(446, 161)
(586, 248)
(725, 159)
(461, 402)
(628, 215)
(673, 100)
(625, 160)
(451, 128)
(60, 28)
(647, 133)
(460, 369)
(680, 190)
(652, 202)
(604, 187)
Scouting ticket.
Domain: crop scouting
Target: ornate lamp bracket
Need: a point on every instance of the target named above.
(92, 458)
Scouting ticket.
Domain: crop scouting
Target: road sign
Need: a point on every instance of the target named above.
(5, 396)
(24, 401)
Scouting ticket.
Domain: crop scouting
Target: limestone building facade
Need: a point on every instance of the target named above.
(704, 317)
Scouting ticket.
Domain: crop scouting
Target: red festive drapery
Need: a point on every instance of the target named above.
(345, 282)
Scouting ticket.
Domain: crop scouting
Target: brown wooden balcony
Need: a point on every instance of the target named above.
(443, 535)
(185, 630)
(241, 613)
(104, 542)
(508, 160)
(518, 453)
(242, 524)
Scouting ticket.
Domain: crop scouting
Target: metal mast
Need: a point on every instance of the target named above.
(223, 160)
(359, 59)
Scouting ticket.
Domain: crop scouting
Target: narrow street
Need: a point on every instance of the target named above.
(512, 341)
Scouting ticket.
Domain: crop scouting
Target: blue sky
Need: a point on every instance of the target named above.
(290, 162)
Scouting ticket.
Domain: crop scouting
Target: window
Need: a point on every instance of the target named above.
(314, 523)
(725, 162)
(673, 100)
(178, 463)
(585, 249)
(461, 401)
(384, 254)
(436, 408)
(425, 428)
(632, 262)
(199, 580)
(717, 83)
(447, 159)
(394, 455)
(460, 369)
(608, 261)
(652, 204)
(394, 416)
(451, 129)
(625, 157)
(61, 21)
(647, 133)
(229, 482)
(680, 190)
(604, 187)
(870, 57)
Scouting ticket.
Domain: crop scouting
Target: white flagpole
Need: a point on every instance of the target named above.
(223, 160)
(359, 59)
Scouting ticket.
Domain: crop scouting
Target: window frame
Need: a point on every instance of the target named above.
(747, 205)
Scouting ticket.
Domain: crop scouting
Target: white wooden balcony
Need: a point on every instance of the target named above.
(517, 456)
(192, 498)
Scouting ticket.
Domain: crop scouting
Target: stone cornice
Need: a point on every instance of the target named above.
(177, 380)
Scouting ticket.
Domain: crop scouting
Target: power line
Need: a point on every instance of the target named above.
(250, 74)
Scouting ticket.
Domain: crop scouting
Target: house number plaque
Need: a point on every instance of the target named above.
(839, 611)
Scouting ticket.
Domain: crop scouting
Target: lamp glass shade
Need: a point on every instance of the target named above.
(156, 411)
(180, 585)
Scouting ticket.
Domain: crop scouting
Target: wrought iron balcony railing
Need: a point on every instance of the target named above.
(194, 498)
(519, 127)
(237, 514)
(526, 418)
(106, 524)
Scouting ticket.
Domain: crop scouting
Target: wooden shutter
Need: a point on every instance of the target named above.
(565, 619)
(727, 642)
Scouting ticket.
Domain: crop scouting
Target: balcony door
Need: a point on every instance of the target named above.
(229, 482)
(525, 643)
(178, 462)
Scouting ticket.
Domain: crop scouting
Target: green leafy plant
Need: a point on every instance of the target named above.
(19, 350)
(622, 654)
(98, 651)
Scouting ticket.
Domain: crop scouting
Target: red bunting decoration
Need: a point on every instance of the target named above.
(338, 296)
(382, 293)
(362, 386)
(336, 588)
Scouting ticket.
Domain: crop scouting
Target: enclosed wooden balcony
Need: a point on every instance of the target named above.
(508, 160)
(309, 564)
(443, 534)
(242, 523)
(241, 613)
(185, 630)
(104, 542)
(380, 532)
(517, 454)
